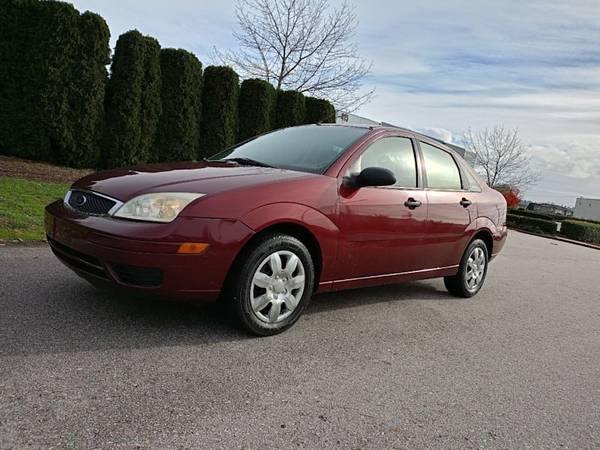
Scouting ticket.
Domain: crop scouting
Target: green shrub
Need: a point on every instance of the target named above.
(255, 109)
(218, 125)
(87, 98)
(178, 130)
(530, 224)
(526, 213)
(20, 132)
(151, 100)
(290, 109)
(124, 101)
(581, 231)
(522, 212)
(319, 111)
(35, 76)
(52, 79)
(132, 101)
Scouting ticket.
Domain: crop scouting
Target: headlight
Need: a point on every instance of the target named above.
(158, 207)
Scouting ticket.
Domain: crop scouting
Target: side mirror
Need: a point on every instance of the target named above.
(372, 176)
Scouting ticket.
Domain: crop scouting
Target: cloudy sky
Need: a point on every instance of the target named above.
(445, 66)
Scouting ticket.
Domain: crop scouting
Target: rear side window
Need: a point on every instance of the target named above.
(442, 172)
(392, 153)
(471, 181)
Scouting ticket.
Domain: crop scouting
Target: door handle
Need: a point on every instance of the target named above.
(466, 202)
(411, 203)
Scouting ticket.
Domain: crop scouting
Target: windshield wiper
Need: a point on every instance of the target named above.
(248, 162)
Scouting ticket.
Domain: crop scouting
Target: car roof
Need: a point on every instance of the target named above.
(416, 134)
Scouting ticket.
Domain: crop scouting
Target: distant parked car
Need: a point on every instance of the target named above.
(267, 223)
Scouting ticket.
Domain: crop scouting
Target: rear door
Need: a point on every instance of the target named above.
(381, 228)
(451, 207)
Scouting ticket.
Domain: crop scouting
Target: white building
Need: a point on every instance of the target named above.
(587, 208)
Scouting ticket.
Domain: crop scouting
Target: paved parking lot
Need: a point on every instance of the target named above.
(393, 367)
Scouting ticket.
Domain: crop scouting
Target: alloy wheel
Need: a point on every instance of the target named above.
(475, 269)
(277, 286)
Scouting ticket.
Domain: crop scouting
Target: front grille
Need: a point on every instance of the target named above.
(90, 203)
(138, 276)
(77, 260)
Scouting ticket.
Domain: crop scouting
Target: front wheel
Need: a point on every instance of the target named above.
(471, 273)
(273, 286)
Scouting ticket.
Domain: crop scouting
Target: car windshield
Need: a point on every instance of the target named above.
(310, 148)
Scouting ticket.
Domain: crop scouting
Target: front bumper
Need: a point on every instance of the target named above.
(142, 256)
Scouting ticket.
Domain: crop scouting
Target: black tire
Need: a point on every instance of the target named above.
(457, 285)
(241, 285)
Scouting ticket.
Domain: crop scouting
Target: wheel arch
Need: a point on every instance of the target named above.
(294, 229)
(486, 236)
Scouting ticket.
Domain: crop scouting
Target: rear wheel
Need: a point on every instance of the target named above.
(472, 271)
(273, 285)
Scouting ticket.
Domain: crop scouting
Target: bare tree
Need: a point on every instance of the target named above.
(297, 44)
(500, 157)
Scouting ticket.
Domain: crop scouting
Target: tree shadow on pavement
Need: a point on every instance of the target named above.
(66, 314)
(70, 315)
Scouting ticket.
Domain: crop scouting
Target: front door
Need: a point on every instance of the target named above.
(382, 228)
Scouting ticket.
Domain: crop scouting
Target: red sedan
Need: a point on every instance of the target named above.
(269, 222)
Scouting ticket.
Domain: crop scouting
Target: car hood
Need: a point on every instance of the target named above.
(202, 177)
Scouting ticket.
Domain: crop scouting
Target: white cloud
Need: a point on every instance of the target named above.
(573, 159)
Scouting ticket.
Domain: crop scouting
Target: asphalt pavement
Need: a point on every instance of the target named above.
(403, 366)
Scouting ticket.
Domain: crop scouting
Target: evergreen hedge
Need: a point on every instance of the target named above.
(178, 130)
(581, 231)
(87, 98)
(255, 109)
(58, 104)
(319, 111)
(290, 109)
(52, 73)
(526, 213)
(151, 100)
(218, 127)
(132, 101)
(530, 224)
(21, 130)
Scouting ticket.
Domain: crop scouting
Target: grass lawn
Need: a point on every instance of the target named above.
(22, 205)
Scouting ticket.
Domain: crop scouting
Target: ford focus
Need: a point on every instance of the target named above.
(267, 223)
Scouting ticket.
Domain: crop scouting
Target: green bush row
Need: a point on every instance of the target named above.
(52, 81)
(532, 224)
(574, 229)
(581, 231)
(58, 104)
(527, 213)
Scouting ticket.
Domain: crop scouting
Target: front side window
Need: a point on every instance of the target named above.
(306, 149)
(442, 172)
(392, 153)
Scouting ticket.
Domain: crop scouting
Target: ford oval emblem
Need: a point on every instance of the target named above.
(79, 199)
